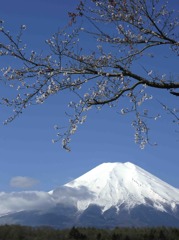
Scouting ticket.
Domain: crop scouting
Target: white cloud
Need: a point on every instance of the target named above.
(26, 200)
(23, 182)
(69, 195)
(39, 200)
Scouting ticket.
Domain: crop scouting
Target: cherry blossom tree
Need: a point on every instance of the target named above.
(102, 56)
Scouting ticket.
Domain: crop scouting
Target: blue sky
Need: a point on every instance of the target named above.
(26, 149)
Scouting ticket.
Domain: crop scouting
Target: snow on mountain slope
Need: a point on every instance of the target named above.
(114, 184)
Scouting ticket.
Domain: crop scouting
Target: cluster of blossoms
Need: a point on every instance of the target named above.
(123, 35)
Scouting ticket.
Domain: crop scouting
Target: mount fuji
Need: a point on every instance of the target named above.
(110, 195)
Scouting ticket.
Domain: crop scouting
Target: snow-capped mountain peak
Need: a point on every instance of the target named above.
(114, 184)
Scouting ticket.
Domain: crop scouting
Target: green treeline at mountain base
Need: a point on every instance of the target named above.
(16, 232)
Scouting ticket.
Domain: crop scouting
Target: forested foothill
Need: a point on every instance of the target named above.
(17, 232)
